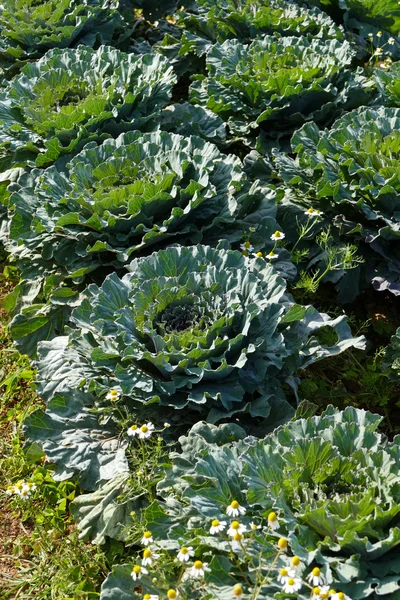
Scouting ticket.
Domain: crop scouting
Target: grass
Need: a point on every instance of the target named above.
(41, 555)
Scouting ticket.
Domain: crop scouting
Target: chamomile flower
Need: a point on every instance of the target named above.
(113, 395)
(199, 569)
(391, 41)
(150, 597)
(145, 431)
(10, 490)
(24, 493)
(137, 572)
(247, 247)
(315, 577)
(339, 596)
(237, 591)
(147, 538)
(217, 526)
(254, 526)
(277, 235)
(273, 522)
(172, 594)
(235, 528)
(285, 574)
(378, 52)
(258, 254)
(321, 592)
(133, 430)
(295, 562)
(282, 544)
(379, 34)
(148, 557)
(237, 542)
(271, 255)
(185, 553)
(234, 509)
(313, 212)
(292, 585)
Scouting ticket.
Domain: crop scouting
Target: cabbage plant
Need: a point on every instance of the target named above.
(329, 485)
(29, 28)
(276, 84)
(196, 327)
(350, 172)
(212, 21)
(76, 220)
(388, 84)
(70, 96)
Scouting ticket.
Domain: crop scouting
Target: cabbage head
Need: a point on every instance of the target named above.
(196, 327)
(212, 21)
(28, 28)
(351, 173)
(276, 84)
(71, 96)
(334, 482)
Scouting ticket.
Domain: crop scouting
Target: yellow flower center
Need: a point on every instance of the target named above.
(198, 564)
(237, 590)
(235, 524)
(171, 594)
(19, 486)
(144, 429)
(215, 523)
(237, 537)
(146, 597)
(277, 234)
(259, 254)
(147, 553)
(296, 561)
(316, 591)
(290, 581)
(136, 569)
(282, 543)
(325, 595)
(316, 572)
(133, 427)
(272, 517)
(283, 572)
(235, 504)
(247, 244)
(310, 210)
(340, 596)
(271, 253)
(184, 550)
(147, 534)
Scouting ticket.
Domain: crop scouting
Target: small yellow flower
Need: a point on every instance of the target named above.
(237, 590)
(295, 562)
(172, 594)
(259, 254)
(282, 543)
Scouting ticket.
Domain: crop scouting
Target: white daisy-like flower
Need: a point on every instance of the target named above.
(320, 593)
(24, 494)
(217, 526)
(292, 585)
(315, 577)
(273, 522)
(237, 591)
(10, 490)
(285, 574)
(234, 509)
(113, 395)
(378, 52)
(247, 247)
(339, 596)
(235, 528)
(271, 255)
(258, 254)
(148, 557)
(254, 526)
(185, 553)
(277, 235)
(379, 34)
(391, 41)
(313, 212)
(31, 486)
(236, 543)
(133, 430)
(199, 569)
(295, 562)
(138, 571)
(145, 431)
(147, 538)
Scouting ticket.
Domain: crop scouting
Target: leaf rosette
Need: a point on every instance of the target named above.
(29, 28)
(351, 173)
(70, 97)
(278, 83)
(198, 327)
(211, 21)
(334, 483)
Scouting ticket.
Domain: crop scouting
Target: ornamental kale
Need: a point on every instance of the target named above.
(276, 84)
(327, 486)
(193, 327)
(351, 173)
(70, 96)
(28, 28)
